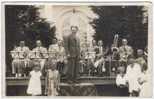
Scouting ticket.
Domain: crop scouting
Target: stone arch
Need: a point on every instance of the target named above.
(63, 23)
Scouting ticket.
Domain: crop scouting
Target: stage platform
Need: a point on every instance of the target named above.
(87, 85)
(22, 81)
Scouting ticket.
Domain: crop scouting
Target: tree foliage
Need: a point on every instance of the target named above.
(22, 22)
(127, 21)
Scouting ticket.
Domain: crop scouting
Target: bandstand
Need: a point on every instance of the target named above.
(62, 17)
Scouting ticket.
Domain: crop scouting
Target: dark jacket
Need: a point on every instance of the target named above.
(72, 46)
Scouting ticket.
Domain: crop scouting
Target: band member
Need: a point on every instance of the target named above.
(115, 59)
(99, 63)
(61, 57)
(72, 48)
(94, 47)
(133, 73)
(140, 57)
(15, 60)
(125, 50)
(53, 49)
(57, 53)
(21, 58)
(39, 53)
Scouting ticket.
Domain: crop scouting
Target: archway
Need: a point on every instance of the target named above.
(78, 18)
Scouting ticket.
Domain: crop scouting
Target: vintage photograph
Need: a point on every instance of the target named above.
(86, 49)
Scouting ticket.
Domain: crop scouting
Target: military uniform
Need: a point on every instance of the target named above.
(39, 54)
(124, 52)
(20, 56)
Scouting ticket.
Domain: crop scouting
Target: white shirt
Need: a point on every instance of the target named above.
(120, 80)
(39, 52)
(132, 76)
(21, 52)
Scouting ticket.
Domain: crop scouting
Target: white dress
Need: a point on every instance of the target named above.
(132, 76)
(34, 86)
(145, 88)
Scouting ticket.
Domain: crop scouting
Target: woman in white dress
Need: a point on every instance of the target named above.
(34, 86)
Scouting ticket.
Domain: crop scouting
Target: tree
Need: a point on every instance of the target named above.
(127, 21)
(22, 22)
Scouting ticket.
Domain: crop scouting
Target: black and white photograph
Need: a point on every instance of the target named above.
(77, 49)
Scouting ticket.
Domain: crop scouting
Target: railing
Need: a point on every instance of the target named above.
(86, 69)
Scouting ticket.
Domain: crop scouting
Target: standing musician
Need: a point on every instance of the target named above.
(115, 54)
(39, 54)
(125, 50)
(20, 55)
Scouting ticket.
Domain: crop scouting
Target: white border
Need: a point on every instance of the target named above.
(104, 3)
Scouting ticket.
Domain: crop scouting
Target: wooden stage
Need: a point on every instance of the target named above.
(88, 85)
(22, 81)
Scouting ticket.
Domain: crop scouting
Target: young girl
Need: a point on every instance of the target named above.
(121, 82)
(52, 80)
(34, 86)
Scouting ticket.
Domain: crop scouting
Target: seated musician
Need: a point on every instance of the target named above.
(125, 50)
(115, 59)
(88, 54)
(57, 54)
(61, 57)
(39, 53)
(99, 63)
(15, 60)
(20, 56)
(87, 59)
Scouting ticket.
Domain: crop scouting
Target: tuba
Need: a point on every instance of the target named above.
(115, 43)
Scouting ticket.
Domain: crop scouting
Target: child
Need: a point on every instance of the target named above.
(144, 82)
(133, 73)
(121, 82)
(34, 86)
(52, 80)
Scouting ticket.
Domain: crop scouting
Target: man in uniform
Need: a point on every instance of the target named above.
(40, 53)
(72, 48)
(125, 50)
(21, 54)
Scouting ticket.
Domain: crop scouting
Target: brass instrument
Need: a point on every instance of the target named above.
(115, 43)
